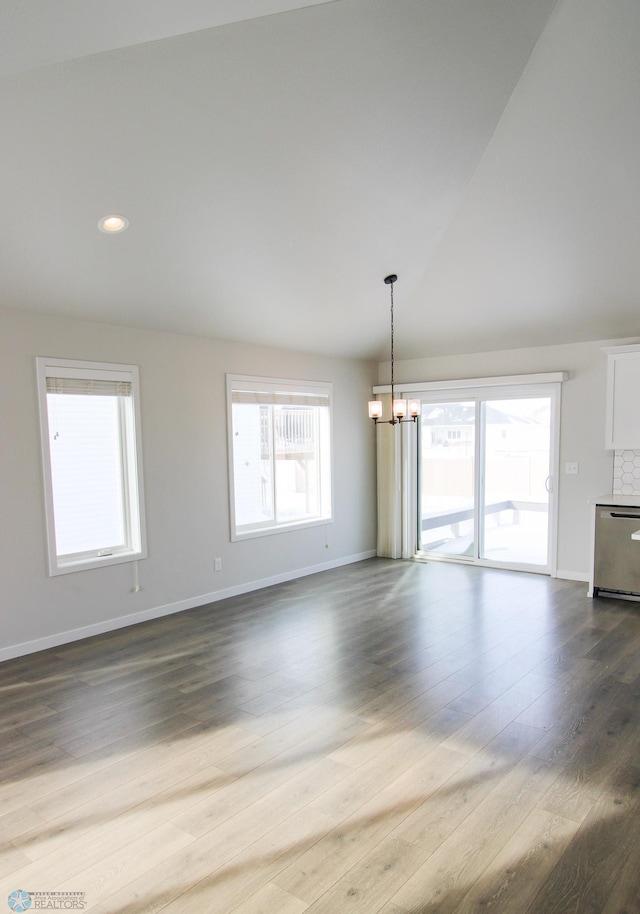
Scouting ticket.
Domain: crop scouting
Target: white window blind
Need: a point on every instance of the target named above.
(89, 387)
(279, 399)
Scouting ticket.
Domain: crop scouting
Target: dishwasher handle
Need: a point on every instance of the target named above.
(620, 514)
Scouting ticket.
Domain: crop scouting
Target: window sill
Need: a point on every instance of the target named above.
(58, 566)
(239, 535)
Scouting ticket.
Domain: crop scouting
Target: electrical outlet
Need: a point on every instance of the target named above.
(217, 564)
(571, 469)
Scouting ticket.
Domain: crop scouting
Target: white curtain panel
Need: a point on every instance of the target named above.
(397, 487)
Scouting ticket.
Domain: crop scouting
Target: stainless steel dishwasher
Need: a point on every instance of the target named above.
(617, 556)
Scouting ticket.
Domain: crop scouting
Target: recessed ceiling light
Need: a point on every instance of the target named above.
(113, 224)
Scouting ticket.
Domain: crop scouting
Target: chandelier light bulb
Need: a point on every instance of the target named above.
(399, 408)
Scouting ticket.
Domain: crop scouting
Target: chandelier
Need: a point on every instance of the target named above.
(400, 410)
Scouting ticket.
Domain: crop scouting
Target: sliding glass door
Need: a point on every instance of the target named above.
(485, 478)
(447, 478)
(514, 503)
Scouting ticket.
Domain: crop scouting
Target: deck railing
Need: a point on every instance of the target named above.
(295, 432)
(447, 518)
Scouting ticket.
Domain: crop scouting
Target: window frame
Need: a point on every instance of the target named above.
(130, 449)
(277, 386)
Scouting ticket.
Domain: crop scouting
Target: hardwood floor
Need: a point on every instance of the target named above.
(392, 737)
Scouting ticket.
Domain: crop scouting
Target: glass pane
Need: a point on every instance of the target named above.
(516, 501)
(447, 478)
(86, 472)
(252, 463)
(297, 463)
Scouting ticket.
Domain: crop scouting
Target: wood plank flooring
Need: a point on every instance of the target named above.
(392, 737)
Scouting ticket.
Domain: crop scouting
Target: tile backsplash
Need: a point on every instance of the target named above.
(626, 473)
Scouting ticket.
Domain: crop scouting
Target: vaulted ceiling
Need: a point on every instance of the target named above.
(276, 160)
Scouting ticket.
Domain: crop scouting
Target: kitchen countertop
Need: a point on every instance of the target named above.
(620, 501)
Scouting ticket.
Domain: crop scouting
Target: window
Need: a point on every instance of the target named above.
(279, 454)
(91, 461)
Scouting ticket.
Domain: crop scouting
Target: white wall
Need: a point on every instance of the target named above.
(581, 425)
(184, 432)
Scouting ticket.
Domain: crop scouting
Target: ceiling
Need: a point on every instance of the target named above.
(277, 159)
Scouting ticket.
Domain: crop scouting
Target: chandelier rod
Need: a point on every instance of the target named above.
(390, 281)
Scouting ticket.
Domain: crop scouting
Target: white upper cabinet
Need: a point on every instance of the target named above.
(623, 398)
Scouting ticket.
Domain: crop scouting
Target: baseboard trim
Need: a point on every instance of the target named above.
(156, 612)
